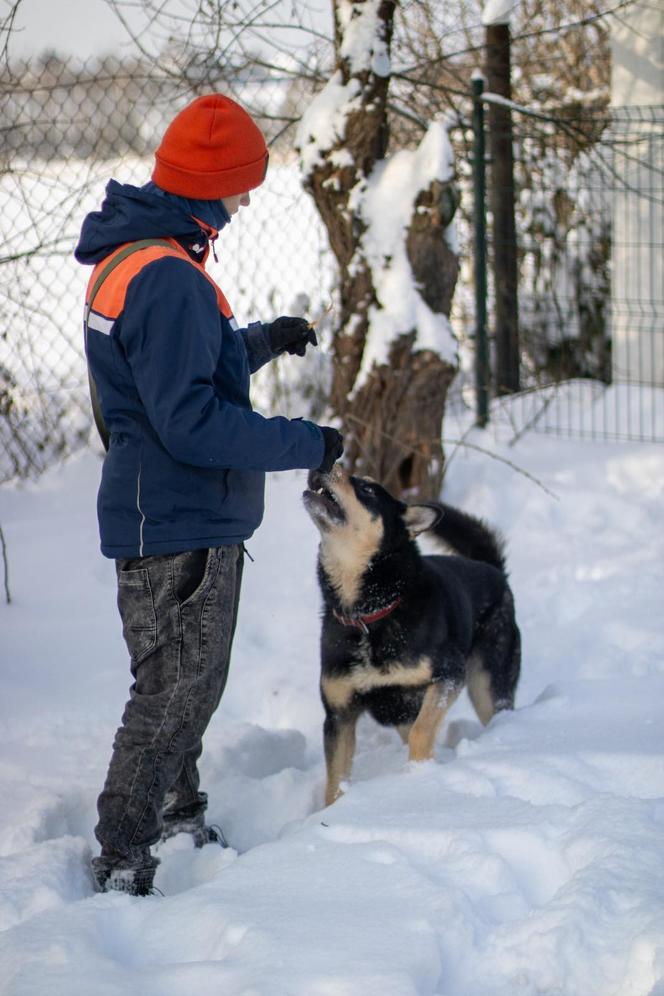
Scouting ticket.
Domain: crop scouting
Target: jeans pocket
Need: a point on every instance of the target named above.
(189, 574)
(136, 605)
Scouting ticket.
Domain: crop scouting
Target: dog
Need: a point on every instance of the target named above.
(403, 632)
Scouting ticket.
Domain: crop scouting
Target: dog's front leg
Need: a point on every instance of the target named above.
(339, 742)
(438, 698)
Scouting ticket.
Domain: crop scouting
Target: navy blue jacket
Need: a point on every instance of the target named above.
(187, 457)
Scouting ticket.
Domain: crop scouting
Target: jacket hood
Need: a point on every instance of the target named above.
(213, 213)
(130, 213)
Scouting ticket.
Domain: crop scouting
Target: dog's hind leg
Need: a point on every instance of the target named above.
(492, 670)
(487, 699)
(479, 690)
(404, 731)
(339, 743)
(438, 698)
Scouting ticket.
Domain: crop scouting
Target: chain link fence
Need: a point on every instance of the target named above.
(67, 128)
(589, 224)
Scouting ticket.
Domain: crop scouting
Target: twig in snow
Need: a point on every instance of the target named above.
(6, 566)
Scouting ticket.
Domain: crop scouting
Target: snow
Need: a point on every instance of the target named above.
(524, 860)
(386, 204)
(498, 11)
(323, 122)
(362, 44)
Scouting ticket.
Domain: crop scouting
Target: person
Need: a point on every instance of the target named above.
(182, 484)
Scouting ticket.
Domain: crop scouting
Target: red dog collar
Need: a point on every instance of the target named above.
(361, 622)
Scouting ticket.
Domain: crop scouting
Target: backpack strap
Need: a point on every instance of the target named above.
(127, 250)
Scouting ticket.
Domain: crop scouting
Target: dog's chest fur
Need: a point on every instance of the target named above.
(364, 674)
(345, 562)
(356, 664)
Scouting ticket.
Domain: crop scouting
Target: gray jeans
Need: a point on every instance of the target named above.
(178, 616)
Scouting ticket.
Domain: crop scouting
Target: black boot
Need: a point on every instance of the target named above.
(209, 833)
(191, 819)
(134, 876)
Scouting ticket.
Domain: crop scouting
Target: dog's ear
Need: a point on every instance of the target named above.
(419, 518)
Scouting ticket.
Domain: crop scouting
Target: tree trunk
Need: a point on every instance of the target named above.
(503, 199)
(392, 418)
(394, 422)
(396, 416)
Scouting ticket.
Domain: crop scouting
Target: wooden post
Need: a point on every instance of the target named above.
(501, 202)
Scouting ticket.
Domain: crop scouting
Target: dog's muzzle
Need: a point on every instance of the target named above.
(321, 501)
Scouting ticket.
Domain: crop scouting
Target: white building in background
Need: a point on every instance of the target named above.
(637, 298)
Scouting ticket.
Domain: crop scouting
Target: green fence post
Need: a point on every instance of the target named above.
(479, 221)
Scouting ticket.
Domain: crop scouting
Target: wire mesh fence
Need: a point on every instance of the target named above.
(590, 226)
(67, 128)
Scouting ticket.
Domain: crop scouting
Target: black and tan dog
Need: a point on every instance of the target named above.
(403, 632)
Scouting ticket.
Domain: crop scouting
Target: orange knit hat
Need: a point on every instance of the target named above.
(211, 149)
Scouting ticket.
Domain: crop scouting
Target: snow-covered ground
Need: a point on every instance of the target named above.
(526, 859)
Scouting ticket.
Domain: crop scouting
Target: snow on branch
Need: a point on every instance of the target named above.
(363, 45)
(323, 123)
(386, 204)
(363, 49)
(498, 12)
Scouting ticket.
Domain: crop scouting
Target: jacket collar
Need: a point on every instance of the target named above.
(130, 213)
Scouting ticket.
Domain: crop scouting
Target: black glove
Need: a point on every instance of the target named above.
(334, 447)
(290, 335)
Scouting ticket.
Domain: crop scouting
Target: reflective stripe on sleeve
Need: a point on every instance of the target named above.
(99, 323)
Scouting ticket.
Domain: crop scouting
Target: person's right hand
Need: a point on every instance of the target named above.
(334, 447)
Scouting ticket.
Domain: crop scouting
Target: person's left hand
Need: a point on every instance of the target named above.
(290, 335)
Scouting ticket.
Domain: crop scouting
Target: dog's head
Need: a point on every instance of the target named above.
(358, 513)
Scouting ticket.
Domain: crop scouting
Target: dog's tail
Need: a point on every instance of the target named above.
(468, 536)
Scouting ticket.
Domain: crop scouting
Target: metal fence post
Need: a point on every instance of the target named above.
(482, 372)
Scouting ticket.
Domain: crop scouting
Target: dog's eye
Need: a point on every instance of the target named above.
(365, 488)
